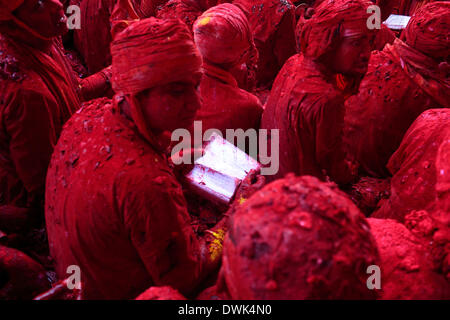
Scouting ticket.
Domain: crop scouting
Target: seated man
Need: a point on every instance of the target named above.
(38, 94)
(223, 37)
(113, 205)
(306, 103)
(297, 238)
(402, 81)
(413, 166)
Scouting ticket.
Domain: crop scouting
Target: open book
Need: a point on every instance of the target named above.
(397, 22)
(219, 172)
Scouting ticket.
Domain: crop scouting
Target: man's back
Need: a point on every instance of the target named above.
(114, 208)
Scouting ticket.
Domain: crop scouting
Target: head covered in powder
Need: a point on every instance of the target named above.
(297, 238)
(153, 52)
(223, 36)
(428, 30)
(333, 21)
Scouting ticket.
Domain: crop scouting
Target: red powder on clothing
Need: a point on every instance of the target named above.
(297, 238)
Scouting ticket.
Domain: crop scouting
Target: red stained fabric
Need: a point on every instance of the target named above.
(273, 26)
(428, 30)
(399, 85)
(93, 39)
(443, 174)
(224, 105)
(114, 208)
(21, 278)
(161, 293)
(406, 269)
(308, 109)
(162, 52)
(223, 37)
(37, 90)
(297, 238)
(413, 166)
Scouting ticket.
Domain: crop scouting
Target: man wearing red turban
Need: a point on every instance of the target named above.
(273, 25)
(38, 94)
(306, 103)
(402, 81)
(223, 37)
(113, 204)
(297, 238)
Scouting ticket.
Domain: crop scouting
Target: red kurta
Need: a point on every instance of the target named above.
(37, 91)
(114, 208)
(399, 85)
(224, 105)
(308, 109)
(413, 166)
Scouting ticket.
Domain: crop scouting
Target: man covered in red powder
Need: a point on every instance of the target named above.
(224, 39)
(413, 166)
(297, 238)
(273, 25)
(113, 205)
(306, 103)
(37, 95)
(402, 81)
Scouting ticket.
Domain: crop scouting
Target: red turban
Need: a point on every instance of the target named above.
(297, 238)
(153, 52)
(333, 20)
(222, 34)
(428, 30)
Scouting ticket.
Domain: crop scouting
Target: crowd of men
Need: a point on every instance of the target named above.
(86, 177)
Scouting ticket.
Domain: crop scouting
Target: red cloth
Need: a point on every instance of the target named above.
(115, 209)
(22, 277)
(443, 174)
(427, 31)
(308, 109)
(93, 39)
(297, 238)
(163, 52)
(413, 166)
(37, 90)
(273, 26)
(330, 23)
(223, 37)
(399, 85)
(406, 269)
(185, 10)
(224, 105)
(161, 293)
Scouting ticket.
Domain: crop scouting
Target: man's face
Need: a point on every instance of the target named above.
(352, 55)
(172, 106)
(46, 17)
